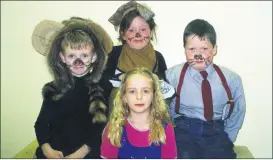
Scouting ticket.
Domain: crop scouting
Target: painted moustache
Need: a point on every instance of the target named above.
(138, 35)
(199, 58)
(78, 63)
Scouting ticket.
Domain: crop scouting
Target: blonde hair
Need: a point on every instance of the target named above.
(158, 110)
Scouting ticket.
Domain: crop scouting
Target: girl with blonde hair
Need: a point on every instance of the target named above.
(139, 125)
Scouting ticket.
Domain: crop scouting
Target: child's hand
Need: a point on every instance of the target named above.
(80, 153)
(51, 153)
(72, 156)
(54, 154)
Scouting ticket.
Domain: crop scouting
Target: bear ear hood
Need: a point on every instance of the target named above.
(47, 36)
(45, 30)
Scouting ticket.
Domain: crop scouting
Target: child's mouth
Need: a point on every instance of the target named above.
(199, 61)
(78, 67)
(138, 41)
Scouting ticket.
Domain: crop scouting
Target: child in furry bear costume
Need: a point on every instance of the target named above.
(74, 108)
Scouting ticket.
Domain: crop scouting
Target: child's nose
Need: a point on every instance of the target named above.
(138, 35)
(78, 62)
(139, 95)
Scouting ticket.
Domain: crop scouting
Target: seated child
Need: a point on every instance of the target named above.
(74, 113)
(209, 108)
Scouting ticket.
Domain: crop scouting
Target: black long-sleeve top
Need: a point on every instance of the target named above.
(66, 124)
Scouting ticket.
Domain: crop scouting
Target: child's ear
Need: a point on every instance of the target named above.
(185, 51)
(122, 35)
(62, 57)
(94, 58)
(151, 35)
(214, 51)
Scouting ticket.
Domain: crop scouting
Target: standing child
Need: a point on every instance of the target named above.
(139, 125)
(73, 112)
(137, 28)
(210, 106)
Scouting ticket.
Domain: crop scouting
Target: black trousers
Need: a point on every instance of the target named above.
(202, 139)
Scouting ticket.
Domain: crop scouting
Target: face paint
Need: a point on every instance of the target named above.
(199, 52)
(138, 35)
(198, 57)
(130, 39)
(79, 62)
(147, 38)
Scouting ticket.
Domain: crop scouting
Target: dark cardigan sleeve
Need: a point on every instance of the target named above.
(109, 71)
(162, 67)
(42, 124)
(112, 62)
(94, 137)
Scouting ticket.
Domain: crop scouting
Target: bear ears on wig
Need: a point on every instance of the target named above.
(44, 32)
(123, 10)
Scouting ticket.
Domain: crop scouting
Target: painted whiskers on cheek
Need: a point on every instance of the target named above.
(147, 38)
(131, 38)
(191, 62)
(139, 36)
(208, 60)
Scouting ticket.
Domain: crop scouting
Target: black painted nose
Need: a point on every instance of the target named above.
(138, 35)
(198, 57)
(78, 62)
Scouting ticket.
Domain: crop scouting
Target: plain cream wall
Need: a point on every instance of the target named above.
(244, 31)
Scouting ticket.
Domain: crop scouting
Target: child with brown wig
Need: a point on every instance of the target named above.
(139, 125)
(74, 112)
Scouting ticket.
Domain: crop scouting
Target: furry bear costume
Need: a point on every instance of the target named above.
(74, 110)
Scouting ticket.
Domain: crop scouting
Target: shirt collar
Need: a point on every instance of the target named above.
(209, 70)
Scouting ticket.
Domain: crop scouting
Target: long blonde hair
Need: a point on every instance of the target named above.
(158, 110)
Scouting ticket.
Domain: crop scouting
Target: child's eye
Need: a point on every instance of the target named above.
(131, 91)
(205, 49)
(143, 29)
(85, 55)
(146, 91)
(191, 49)
(70, 56)
(131, 30)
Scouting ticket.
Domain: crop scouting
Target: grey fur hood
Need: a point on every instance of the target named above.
(102, 43)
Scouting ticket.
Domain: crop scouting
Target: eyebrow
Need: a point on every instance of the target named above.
(139, 26)
(141, 88)
(81, 53)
